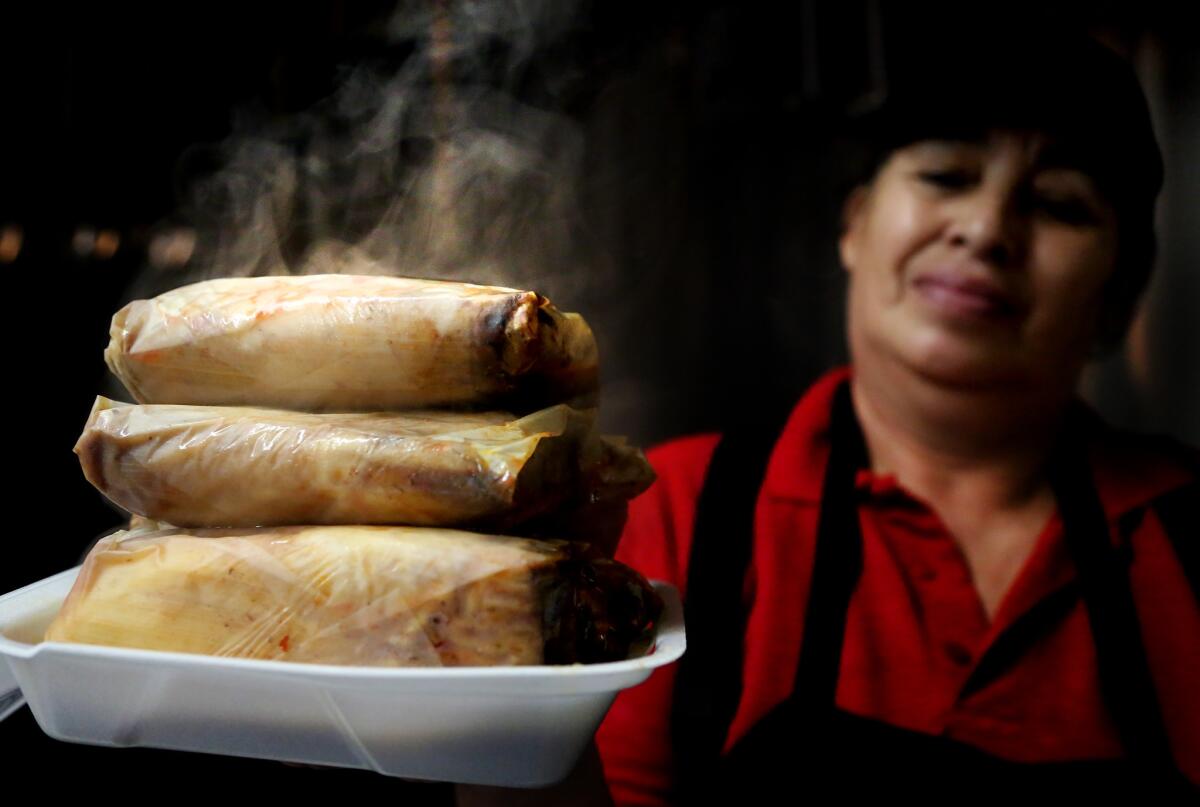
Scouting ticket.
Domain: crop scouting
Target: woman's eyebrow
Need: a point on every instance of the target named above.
(944, 146)
(1061, 155)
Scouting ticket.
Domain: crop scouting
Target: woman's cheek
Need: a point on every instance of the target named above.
(1067, 313)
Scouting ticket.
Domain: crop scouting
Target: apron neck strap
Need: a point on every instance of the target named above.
(708, 679)
(1103, 575)
(837, 565)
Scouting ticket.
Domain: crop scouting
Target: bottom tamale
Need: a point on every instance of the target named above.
(377, 596)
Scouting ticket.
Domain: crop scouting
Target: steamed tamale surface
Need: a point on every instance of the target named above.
(351, 342)
(200, 466)
(377, 596)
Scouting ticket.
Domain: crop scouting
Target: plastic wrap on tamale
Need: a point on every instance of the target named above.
(376, 596)
(352, 343)
(201, 466)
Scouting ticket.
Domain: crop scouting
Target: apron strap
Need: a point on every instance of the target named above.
(1125, 680)
(1179, 512)
(837, 566)
(708, 681)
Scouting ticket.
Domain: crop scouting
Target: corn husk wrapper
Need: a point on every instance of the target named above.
(198, 466)
(375, 596)
(352, 343)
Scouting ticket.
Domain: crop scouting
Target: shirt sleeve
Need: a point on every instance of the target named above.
(635, 738)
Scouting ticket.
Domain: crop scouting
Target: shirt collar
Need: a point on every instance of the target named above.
(797, 465)
(1130, 470)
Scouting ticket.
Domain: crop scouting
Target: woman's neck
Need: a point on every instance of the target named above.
(958, 446)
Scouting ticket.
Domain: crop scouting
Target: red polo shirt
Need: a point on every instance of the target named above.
(916, 627)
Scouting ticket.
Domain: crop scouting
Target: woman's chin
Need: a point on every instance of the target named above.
(962, 362)
(985, 360)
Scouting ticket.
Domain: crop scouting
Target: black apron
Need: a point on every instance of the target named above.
(806, 745)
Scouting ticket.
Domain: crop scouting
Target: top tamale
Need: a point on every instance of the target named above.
(352, 343)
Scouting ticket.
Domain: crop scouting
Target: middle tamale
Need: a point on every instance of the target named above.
(197, 466)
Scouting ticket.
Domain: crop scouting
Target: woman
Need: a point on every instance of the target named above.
(958, 582)
(938, 574)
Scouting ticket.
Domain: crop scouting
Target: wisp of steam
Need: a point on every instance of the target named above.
(436, 165)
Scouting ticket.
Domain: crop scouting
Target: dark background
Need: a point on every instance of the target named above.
(708, 197)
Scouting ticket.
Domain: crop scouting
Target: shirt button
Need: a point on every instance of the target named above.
(957, 653)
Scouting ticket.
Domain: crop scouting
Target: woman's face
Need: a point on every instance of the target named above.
(978, 263)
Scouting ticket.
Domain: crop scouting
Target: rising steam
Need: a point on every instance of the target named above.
(443, 163)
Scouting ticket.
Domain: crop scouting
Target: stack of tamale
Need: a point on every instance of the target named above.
(336, 469)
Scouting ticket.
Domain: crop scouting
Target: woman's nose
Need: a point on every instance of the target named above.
(990, 224)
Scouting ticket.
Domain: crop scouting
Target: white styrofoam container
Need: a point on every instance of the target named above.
(509, 726)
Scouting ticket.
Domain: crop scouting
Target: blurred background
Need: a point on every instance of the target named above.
(672, 170)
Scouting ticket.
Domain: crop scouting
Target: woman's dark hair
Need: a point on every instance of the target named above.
(955, 80)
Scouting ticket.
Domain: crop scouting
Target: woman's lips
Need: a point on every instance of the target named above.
(963, 296)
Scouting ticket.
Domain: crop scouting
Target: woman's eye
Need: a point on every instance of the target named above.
(1068, 210)
(946, 179)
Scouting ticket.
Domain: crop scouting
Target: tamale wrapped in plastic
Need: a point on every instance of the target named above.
(377, 596)
(352, 343)
(201, 466)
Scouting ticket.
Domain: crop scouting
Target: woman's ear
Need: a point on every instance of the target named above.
(852, 210)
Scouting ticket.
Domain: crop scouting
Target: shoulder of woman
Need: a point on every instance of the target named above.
(657, 536)
(681, 463)
(1158, 476)
(1134, 469)
(1151, 461)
